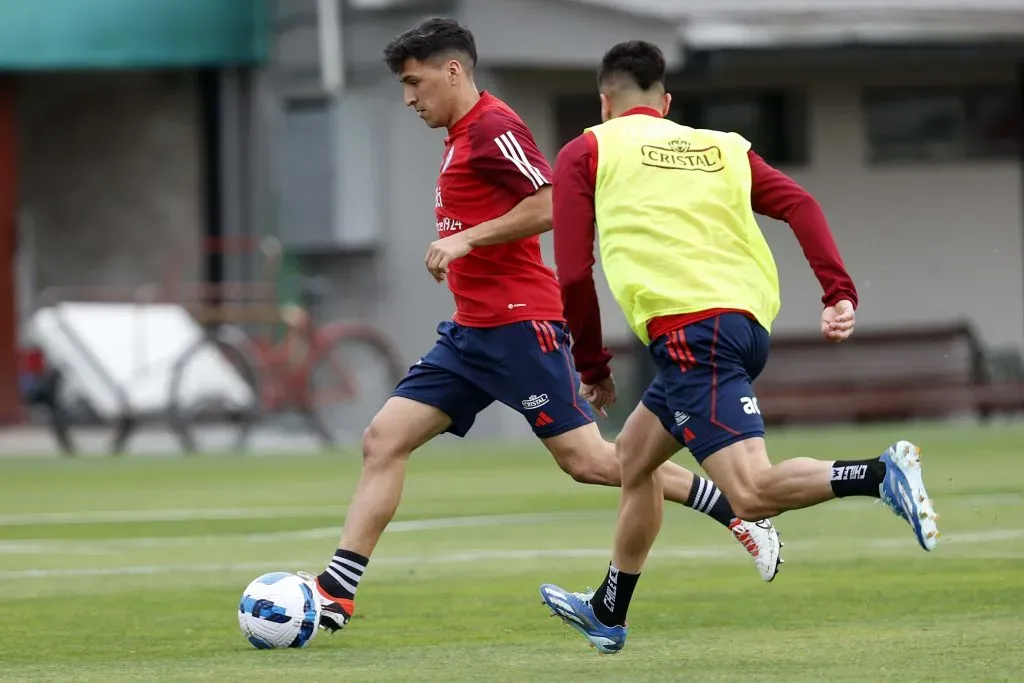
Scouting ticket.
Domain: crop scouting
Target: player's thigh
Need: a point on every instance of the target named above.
(643, 445)
(586, 456)
(533, 373)
(401, 426)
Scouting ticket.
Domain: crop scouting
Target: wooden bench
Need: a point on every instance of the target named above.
(918, 372)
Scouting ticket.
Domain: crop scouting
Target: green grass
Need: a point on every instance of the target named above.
(131, 569)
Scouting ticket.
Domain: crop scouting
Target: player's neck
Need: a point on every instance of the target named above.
(464, 102)
(620, 108)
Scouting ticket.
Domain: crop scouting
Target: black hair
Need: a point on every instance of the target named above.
(641, 62)
(428, 39)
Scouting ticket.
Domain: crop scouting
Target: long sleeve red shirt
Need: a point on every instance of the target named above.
(773, 194)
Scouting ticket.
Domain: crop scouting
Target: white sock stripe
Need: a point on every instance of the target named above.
(714, 499)
(700, 490)
(350, 563)
(707, 489)
(344, 584)
(348, 574)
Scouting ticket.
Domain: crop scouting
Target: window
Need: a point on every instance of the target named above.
(305, 179)
(942, 124)
(575, 113)
(774, 122)
(997, 119)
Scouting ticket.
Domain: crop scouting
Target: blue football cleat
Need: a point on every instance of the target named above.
(903, 491)
(574, 609)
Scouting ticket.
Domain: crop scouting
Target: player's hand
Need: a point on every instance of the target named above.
(600, 395)
(442, 252)
(837, 322)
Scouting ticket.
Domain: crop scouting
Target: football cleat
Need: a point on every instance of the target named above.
(335, 613)
(761, 540)
(574, 609)
(903, 491)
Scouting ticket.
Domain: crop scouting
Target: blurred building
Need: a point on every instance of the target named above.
(111, 150)
(903, 117)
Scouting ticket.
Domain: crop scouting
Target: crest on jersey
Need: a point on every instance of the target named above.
(680, 146)
(448, 159)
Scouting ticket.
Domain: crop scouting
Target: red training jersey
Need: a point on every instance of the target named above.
(490, 164)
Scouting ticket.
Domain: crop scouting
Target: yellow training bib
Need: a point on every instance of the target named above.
(676, 229)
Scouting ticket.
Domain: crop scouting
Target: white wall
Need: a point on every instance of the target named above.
(924, 243)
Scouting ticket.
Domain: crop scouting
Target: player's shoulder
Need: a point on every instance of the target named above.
(731, 137)
(496, 119)
(577, 148)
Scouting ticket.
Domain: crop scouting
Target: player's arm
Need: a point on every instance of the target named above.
(573, 221)
(776, 195)
(531, 216)
(505, 156)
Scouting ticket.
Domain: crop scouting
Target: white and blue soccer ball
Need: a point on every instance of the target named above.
(278, 610)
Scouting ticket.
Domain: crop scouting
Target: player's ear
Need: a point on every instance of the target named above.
(606, 108)
(454, 69)
(666, 104)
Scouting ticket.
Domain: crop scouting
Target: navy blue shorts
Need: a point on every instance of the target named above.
(524, 365)
(703, 394)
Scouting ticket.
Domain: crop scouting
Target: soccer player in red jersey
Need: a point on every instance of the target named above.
(508, 340)
(689, 266)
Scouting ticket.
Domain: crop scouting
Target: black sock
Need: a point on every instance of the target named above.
(857, 477)
(707, 498)
(341, 577)
(611, 601)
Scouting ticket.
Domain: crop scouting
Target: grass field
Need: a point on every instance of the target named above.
(132, 569)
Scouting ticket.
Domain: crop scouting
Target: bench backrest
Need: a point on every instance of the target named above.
(948, 354)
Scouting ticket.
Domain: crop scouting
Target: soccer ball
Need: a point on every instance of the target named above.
(278, 610)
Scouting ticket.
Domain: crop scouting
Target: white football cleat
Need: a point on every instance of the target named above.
(334, 614)
(761, 540)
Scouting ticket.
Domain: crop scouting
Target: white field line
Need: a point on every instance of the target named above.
(172, 515)
(467, 557)
(243, 513)
(207, 514)
(35, 546)
(106, 545)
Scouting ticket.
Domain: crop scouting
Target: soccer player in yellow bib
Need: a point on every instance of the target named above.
(685, 259)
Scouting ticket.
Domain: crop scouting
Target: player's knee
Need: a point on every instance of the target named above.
(585, 466)
(633, 466)
(381, 448)
(578, 468)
